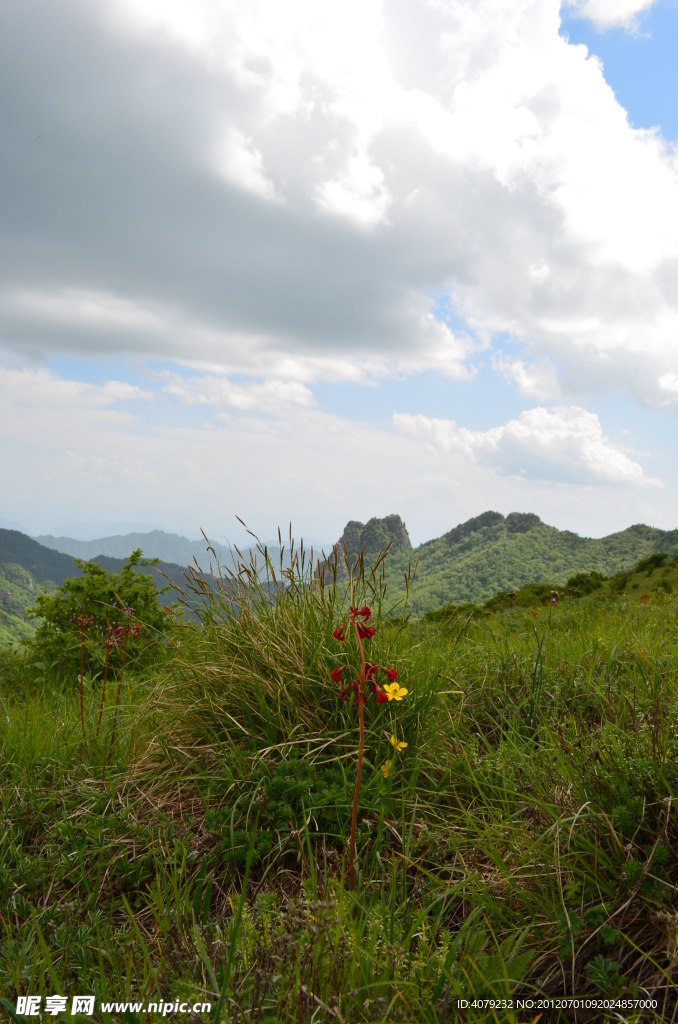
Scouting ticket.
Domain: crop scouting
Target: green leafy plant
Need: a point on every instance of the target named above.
(605, 975)
(101, 600)
(652, 562)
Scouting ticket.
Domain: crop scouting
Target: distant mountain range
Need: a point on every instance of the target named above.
(492, 552)
(472, 562)
(169, 547)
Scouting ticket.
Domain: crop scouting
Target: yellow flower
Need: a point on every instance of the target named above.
(394, 691)
(386, 767)
(398, 744)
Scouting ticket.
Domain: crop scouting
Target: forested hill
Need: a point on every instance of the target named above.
(492, 552)
(26, 567)
(472, 562)
(42, 563)
(53, 567)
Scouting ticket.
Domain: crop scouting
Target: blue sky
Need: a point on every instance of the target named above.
(396, 258)
(641, 65)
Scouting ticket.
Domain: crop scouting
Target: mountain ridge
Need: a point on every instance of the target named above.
(490, 553)
(493, 552)
(472, 562)
(169, 547)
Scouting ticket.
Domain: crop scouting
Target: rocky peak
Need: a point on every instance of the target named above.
(374, 535)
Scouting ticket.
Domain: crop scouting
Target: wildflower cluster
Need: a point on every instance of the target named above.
(398, 746)
(391, 690)
(366, 684)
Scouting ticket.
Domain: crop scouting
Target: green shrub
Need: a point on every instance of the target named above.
(108, 601)
(585, 583)
(652, 562)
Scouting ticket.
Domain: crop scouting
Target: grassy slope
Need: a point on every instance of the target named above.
(490, 553)
(522, 841)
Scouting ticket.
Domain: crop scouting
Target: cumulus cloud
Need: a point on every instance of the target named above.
(235, 183)
(140, 461)
(270, 195)
(358, 195)
(238, 160)
(257, 396)
(42, 389)
(611, 13)
(534, 380)
(564, 444)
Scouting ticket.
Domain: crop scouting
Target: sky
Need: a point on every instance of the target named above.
(319, 261)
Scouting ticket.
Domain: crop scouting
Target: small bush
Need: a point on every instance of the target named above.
(105, 600)
(585, 583)
(652, 562)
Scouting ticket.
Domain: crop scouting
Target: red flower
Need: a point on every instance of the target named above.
(355, 686)
(370, 669)
(391, 673)
(339, 634)
(381, 696)
(336, 673)
(344, 694)
(365, 632)
(363, 613)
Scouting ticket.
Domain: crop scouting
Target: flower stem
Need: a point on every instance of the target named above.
(359, 772)
(117, 699)
(83, 624)
(103, 687)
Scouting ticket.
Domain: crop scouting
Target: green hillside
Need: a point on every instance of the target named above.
(473, 562)
(27, 567)
(18, 590)
(653, 580)
(41, 562)
(492, 553)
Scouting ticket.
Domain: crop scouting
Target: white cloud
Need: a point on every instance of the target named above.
(534, 380)
(300, 464)
(253, 396)
(237, 160)
(668, 383)
(564, 444)
(41, 389)
(111, 469)
(162, 330)
(611, 13)
(273, 193)
(86, 308)
(461, 147)
(359, 194)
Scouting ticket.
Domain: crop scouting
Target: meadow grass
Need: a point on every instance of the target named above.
(521, 845)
